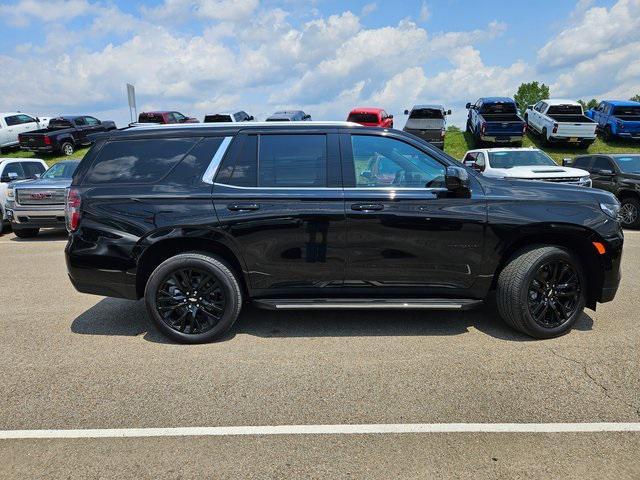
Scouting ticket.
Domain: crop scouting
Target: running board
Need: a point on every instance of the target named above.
(367, 303)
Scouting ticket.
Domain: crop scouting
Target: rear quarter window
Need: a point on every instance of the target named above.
(138, 161)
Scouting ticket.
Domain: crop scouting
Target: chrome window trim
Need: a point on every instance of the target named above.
(212, 169)
(354, 189)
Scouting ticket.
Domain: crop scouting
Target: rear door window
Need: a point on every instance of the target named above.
(292, 161)
(31, 169)
(12, 120)
(138, 161)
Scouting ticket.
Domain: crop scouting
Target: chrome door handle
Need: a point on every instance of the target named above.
(241, 207)
(367, 207)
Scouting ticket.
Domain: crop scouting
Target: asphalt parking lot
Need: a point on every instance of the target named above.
(74, 361)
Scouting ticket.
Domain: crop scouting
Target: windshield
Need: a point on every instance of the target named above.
(498, 107)
(520, 158)
(363, 118)
(426, 113)
(60, 171)
(627, 111)
(628, 163)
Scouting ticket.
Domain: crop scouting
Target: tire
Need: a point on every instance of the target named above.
(606, 134)
(521, 293)
(178, 320)
(630, 212)
(4, 227)
(67, 148)
(544, 140)
(585, 145)
(25, 232)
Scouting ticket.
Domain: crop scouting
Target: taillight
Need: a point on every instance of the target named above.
(555, 128)
(47, 140)
(524, 128)
(442, 133)
(72, 209)
(483, 128)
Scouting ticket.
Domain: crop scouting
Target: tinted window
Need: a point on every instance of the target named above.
(293, 161)
(426, 113)
(13, 168)
(150, 118)
(244, 172)
(386, 162)
(59, 123)
(92, 121)
(565, 110)
(80, 121)
(217, 118)
(363, 118)
(601, 163)
(627, 111)
(499, 107)
(12, 120)
(582, 162)
(138, 161)
(31, 169)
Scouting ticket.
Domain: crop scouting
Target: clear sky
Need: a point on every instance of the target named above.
(322, 56)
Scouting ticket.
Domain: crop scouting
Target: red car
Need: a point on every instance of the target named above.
(371, 117)
(165, 117)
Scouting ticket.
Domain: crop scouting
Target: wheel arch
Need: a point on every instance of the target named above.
(578, 242)
(161, 250)
(628, 193)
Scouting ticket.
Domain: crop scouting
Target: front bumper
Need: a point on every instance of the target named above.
(37, 218)
(629, 135)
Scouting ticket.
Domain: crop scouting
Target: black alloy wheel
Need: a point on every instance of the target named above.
(629, 213)
(554, 294)
(190, 301)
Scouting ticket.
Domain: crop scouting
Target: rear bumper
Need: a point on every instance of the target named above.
(99, 268)
(501, 138)
(629, 135)
(44, 149)
(563, 139)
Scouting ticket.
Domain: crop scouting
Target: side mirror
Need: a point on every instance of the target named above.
(307, 117)
(448, 112)
(477, 168)
(366, 174)
(566, 162)
(390, 116)
(251, 118)
(406, 112)
(529, 107)
(457, 181)
(37, 119)
(9, 177)
(468, 106)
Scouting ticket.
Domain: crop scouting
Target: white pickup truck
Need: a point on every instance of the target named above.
(13, 124)
(560, 121)
(523, 164)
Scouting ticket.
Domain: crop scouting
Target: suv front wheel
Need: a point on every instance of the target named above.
(193, 298)
(541, 291)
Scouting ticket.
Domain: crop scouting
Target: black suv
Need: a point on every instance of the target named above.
(198, 219)
(620, 175)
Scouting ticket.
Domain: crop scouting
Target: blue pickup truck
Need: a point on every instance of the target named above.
(495, 120)
(617, 119)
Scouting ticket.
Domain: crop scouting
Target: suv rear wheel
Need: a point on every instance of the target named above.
(541, 291)
(25, 232)
(193, 297)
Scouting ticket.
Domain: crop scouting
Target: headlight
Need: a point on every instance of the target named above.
(611, 209)
(10, 194)
(585, 181)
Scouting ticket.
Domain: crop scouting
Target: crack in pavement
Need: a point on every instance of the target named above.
(595, 381)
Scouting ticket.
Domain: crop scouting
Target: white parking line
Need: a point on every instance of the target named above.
(325, 430)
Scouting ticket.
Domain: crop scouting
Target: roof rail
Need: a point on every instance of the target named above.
(243, 124)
